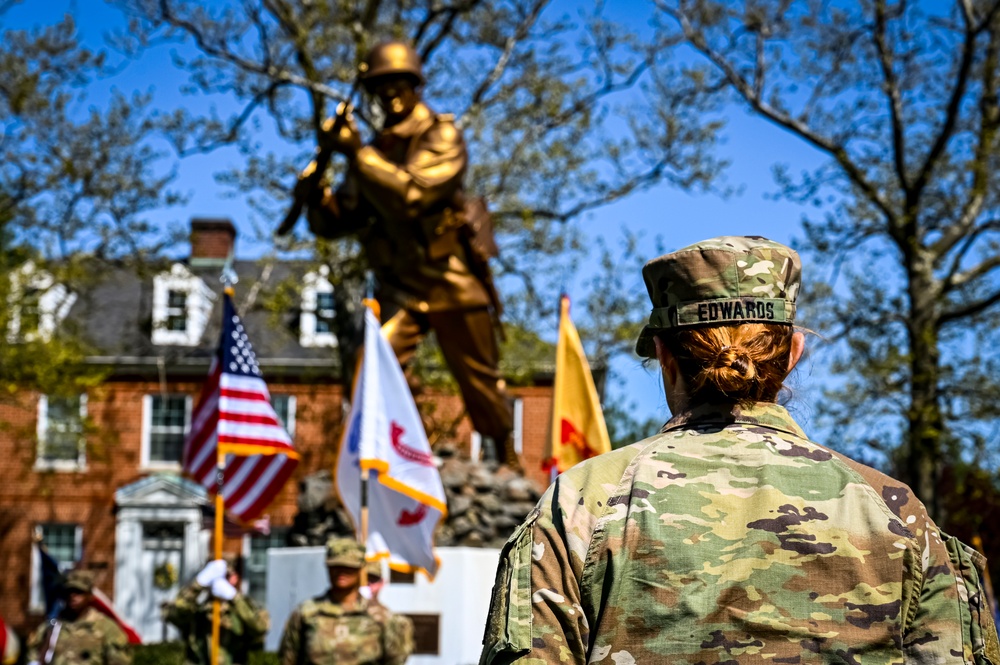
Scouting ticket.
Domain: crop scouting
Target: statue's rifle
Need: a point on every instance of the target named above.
(313, 173)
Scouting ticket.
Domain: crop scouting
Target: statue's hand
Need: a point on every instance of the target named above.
(340, 134)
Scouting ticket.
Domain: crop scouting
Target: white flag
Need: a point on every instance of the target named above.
(385, 434)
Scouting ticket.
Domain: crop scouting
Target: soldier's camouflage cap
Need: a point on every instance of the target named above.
(81, 581)
(345, 552)
(725, 280)
(374, 569)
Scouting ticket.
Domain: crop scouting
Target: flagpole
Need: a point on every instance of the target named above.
(371, 304)
(228, 279)
(552, 459)
(220, 507)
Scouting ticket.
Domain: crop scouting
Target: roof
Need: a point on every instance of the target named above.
(115, 316)
(163, 489)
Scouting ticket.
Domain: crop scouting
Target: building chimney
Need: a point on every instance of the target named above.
(212, 240)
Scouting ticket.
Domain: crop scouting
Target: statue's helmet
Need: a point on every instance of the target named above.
(392, 59)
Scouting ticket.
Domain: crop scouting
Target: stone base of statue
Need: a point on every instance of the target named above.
(486, 502)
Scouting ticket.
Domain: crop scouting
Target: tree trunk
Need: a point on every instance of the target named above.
(925, 434)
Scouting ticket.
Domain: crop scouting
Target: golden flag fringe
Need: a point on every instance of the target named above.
(578, 431)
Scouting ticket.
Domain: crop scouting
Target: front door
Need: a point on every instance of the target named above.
(160, 566)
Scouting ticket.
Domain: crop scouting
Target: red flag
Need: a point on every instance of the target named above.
(234, 412)
(10, 648)
(102, 604)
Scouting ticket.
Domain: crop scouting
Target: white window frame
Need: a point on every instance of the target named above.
(54, 303)
(290, 419)
(248, 553)
(313, 283)
(42, 464)
(476, 439)
(36, 595)
(475, 445)
(173, 311)
(146, 464)
(519, 425)
(198, 307)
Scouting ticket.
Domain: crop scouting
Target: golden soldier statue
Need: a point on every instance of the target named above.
(403, 197)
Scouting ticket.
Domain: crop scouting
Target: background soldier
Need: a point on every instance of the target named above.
(243, 624)
(403, 197)
(399, 625)
(375, 582)
(80, 634)
(341, 627)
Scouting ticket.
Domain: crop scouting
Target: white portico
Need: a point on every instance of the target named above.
(158, 547)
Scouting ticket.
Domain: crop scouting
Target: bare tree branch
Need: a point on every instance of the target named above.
(370, 14)
(746, 91)
(951, 114)
(498, 69)
(233, 131)
(974, 273)
(954, 278)
(219, 51)
(637, 182)
(971, 309)
(892, 92)
(451, 13)
(981, 167)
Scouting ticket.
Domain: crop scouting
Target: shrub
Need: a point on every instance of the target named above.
(172, 653)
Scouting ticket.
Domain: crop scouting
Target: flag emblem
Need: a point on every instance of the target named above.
(578, 428)
(385, 438)
(234, 412)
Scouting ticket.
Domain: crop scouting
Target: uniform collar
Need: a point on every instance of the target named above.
(89, 615)
(329, 607)
(413, 123)
(759, 414)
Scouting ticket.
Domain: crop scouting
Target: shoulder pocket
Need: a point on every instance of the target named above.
(508, 627)
(979, 630)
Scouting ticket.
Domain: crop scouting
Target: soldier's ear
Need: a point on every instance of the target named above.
(798, 348)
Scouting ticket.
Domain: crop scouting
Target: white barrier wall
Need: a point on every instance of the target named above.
(459, 597)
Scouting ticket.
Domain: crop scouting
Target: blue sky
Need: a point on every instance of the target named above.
(680, 218)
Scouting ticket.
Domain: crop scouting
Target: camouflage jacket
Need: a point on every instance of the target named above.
(90, 639)
(729, 537)
(242, 627)
(321, 632)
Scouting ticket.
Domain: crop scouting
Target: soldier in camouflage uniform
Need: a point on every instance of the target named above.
(243, 624)
(342, 627)
(730, 537)
(402, 626)
(80, 635)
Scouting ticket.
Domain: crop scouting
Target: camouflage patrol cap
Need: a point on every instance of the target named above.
(345, 552)
(374, 569)
(725, 280)
(78, 581)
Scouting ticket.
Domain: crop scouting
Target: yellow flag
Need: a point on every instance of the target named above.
(578, 429)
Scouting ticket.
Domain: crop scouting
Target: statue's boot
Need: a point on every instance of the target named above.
(508, 456)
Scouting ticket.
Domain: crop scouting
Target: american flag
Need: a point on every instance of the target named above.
(234, 411)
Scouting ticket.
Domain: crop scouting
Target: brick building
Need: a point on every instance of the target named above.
(97, 475)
